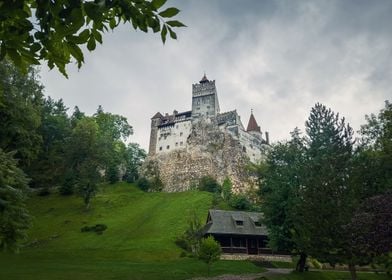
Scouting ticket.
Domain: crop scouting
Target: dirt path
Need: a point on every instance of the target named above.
(268, 273)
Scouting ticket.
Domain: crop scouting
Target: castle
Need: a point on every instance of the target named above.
(171, 132)
(186, 146)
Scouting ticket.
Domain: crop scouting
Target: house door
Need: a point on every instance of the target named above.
(252, 247)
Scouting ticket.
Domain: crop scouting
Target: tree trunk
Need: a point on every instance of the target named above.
(301, 262)
(353, 271)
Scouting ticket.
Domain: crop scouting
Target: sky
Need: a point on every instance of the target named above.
(278, 58)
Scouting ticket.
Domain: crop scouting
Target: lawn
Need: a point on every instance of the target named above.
(138, 242)
(331, 275)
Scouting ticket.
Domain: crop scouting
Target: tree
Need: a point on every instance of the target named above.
(209, 251)
(369, 230)
(280, 181)
(84, 158)
(326, 199)
(112, 131)
(373, 162)
(14, 217)
(49, 168)
(21, 101)
(134, 157)
(55, 31)
(191, 238)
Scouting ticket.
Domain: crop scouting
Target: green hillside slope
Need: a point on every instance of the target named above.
(138, 242)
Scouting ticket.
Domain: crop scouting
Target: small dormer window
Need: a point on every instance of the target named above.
(257, 224)
(239, 223)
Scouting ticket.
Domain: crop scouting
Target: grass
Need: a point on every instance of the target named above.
(331, 275)
(138, 243)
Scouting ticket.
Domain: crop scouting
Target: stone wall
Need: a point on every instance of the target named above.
(209, 152)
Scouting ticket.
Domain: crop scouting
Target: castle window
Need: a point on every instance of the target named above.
(160, 148)
(180, 133)
(208, 107)
(168, 147)
(176, 144)
(176, 126)
(181, 143)
(198, 108)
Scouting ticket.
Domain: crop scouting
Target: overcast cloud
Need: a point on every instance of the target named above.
(276, 57)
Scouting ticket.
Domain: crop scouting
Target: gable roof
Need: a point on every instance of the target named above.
(252, 124)
(224, 222)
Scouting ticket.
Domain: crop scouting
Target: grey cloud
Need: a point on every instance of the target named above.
(277, 57)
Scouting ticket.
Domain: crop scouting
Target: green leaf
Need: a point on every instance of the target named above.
(35, 47)
(91, 44)
(15, 57)
(175, 23)
(163, 34)
(77, 53)
(83, 36)
(173, 35)
(97, 36)
(158, 3)
(169, 12)
(112, 23)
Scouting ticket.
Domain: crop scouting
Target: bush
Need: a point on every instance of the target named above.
(143, 183)
(240, 202)
(68, 186)
(209, 251)
(209, 184)
(98, 228)
(112, 174)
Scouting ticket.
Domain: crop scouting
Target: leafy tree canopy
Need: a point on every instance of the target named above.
(54, 31)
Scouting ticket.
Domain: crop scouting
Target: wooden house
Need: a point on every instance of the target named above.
(238, 231)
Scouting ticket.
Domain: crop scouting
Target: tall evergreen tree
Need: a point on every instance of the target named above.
(325, 198)
(14, 217)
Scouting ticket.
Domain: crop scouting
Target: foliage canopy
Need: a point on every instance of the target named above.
(56, 31)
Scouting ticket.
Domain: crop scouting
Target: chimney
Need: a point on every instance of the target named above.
(267, 137)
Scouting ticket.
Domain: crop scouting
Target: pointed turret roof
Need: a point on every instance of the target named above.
(157, 116)
(252, 124)
(204, 79)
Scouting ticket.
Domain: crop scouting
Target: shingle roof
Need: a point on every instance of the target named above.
(224, 222)
(252, 124)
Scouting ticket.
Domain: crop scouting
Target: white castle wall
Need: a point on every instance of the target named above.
(173, 137)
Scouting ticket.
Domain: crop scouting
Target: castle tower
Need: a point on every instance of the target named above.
(205, 102)
(155, 121)
(252, 124)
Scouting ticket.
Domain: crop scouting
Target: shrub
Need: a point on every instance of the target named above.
(143, 183)
(98, 228)
(209, 251)
(209, 184)
(240, 202)
(68, 186)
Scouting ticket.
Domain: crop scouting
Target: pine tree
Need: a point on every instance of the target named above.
(14, 217)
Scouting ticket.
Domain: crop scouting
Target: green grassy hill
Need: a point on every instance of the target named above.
(138, 243)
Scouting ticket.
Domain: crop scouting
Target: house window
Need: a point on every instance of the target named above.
(257, 224)
(160, 148)
(239, 223)
(168, 147)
